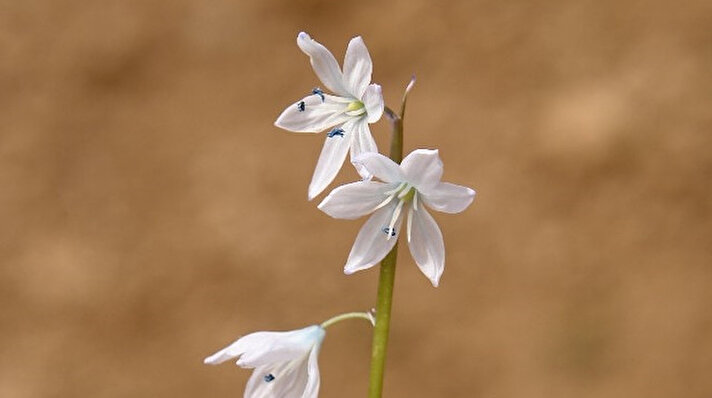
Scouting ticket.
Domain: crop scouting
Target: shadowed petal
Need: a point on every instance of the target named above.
(354, 200)
(332, 157)
(286, 379)
(312, 115)
(363, 142)
(423, 168)
(357, 67)
(313, 379)
(324, 64)
(373, 101)
(426, 244)
(372, 243)
(448, 198)
(380, 166)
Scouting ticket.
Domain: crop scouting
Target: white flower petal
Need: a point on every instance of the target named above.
(260, 348)
(373, 101)
(324, 64)
(357, 67)
(373, 242)
(332, 157)
(313, 379)
(354, 200)
(285, 379)
(363, 142)
(311, 114)
(380, 166)
(423, 168)
(426, 244)
(448, 198)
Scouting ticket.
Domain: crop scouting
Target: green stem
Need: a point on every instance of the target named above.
(383, 322)
(386, 279)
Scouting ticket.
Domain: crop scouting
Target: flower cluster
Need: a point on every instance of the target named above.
(285, 363)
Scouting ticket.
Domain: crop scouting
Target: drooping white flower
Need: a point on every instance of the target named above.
(354, 104)
(404, 189)
(285, 363)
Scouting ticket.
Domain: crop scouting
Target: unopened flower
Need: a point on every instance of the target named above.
(346, 114)
(404, 189)
(285, 363)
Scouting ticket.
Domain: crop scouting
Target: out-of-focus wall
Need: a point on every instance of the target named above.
(150, 212)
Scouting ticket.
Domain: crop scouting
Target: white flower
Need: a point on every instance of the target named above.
(405, 188)
(285, 363)
(347, 113)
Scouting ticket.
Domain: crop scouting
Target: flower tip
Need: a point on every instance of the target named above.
(312, 193)
(303, 35)
(410, 85)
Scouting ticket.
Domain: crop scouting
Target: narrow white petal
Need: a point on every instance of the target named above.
(332, 157)
(380, 166)
(313, 378)
(354, 200)
(373, 101)
(357, 67)
(423, 168)
(426, 245)
(373, 242)
(448, 198)
(324, 64)
(259, 348)
(311, 114)
(362, 143)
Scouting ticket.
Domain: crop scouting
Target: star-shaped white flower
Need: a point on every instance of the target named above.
(405, 189)
(347, 113)
(285, 363)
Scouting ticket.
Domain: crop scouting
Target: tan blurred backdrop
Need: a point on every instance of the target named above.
(150, 212)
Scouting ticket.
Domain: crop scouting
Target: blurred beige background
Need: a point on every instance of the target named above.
(151, 213)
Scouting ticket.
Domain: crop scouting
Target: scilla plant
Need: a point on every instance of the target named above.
(392, 189)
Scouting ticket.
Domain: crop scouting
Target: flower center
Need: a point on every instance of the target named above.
(355, 108)
(405, 193)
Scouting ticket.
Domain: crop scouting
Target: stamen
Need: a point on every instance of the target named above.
(336, 131)
(396, 189)
(394, 218)
(301, 106)
(269, 378)
(385, 202)
(410, 221)
(317, 91)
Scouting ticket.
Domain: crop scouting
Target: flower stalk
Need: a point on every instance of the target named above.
(349, 315)
(387, 276)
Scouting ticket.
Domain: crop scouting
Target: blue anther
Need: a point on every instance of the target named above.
(317, 91)
(336, 131)
(301, 106)
(269, 378)
(387, 230)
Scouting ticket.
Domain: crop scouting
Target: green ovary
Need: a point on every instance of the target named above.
(407, 196)
(355, 106)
